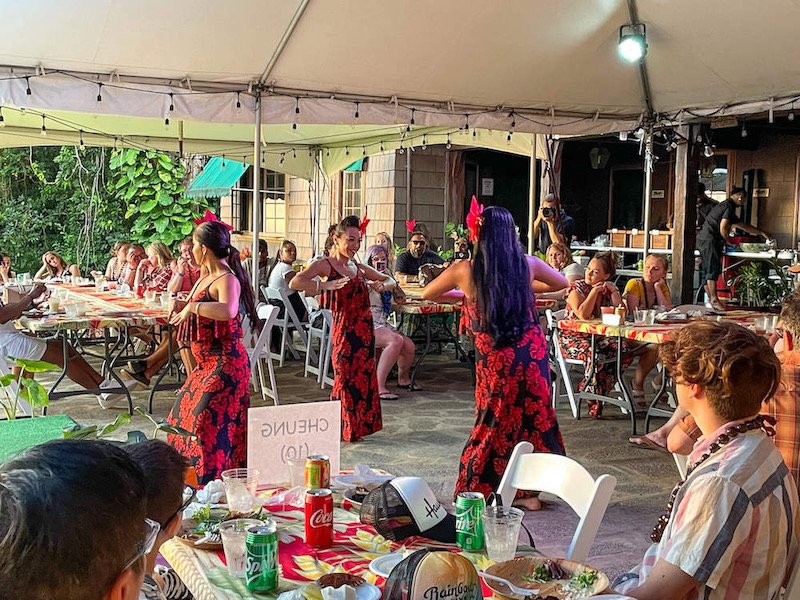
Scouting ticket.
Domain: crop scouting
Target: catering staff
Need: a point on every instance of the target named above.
(718, 224)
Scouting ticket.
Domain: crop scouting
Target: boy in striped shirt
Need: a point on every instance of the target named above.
(731, 528)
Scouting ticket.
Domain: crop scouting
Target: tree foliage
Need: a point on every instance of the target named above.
(151, 184)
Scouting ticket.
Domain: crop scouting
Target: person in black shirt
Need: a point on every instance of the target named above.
(704, 204)
(549, 227)
(718, 224)
(417, 254)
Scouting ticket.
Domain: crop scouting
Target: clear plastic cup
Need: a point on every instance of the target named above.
(297, 471)
(233, 535)
(650, 317)
(240, 489)
(501, 527)
(150, 296)
(639, 316)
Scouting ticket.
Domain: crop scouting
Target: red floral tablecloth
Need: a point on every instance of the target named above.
(103, 309)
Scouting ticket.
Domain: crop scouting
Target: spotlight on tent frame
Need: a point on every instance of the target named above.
(632, 42)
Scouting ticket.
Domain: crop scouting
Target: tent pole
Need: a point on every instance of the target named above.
(256, 203)
(532, 194)
(317, 202)
(648, 187)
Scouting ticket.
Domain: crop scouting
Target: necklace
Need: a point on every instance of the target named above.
(764, 422)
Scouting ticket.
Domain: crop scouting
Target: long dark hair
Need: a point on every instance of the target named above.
(216, 237)
(277, 258)
(502, 280)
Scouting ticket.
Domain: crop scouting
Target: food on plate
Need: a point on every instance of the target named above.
(547, 578)
(547, 571)
(359, 493)
(202, 528)
(336, 580)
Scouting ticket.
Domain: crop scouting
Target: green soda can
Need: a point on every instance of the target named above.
(469, 525)
(262, 557)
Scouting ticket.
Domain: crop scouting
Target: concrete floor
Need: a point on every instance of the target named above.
(424, 433)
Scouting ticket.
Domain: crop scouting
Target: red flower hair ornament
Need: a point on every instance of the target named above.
(474, 219)
(411, 225)
(362, 224)
(210, 217)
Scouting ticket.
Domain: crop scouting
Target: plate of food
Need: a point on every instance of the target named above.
(202, 529)
(373, 478)
(384, 564)
(356, 495)
(364, 590)
(544, 577)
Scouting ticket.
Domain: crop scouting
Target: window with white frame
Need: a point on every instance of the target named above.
(352, 193)
(273, 202)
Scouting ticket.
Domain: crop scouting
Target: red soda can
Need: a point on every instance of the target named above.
(140, 291)
(318, 472)
(319, 518)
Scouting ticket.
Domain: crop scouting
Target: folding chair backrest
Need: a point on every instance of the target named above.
(267, 313)
(294, 319)
(567, 479)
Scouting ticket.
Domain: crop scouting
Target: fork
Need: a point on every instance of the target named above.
(524, 592)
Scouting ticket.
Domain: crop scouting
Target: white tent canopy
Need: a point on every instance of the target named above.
(505, 65)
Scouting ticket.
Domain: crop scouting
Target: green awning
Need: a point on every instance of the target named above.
(356, 166)
(216, 179)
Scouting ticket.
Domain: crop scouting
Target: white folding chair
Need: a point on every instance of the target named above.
(295, 323)
(319, 328)
(23, 408)
(283, 323)
(258, 351)
(565, 478)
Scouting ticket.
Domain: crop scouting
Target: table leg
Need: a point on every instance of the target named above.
(626, 393)
(112, 354)
(427, 348)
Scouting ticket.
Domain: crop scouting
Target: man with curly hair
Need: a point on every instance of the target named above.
(729, 530)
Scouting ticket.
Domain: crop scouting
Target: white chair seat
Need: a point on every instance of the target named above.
(565, 478)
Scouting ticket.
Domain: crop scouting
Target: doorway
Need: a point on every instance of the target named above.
(627, 191)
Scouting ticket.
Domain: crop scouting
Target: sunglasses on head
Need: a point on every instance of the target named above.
(144, 547)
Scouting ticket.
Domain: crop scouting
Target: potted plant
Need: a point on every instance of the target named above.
(756, 286)
(24, 388)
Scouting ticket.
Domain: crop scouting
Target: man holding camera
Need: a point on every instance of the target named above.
(552, 224)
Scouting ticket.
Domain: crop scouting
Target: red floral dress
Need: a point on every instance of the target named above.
(355, 383)
(214, 400)
(512, 404)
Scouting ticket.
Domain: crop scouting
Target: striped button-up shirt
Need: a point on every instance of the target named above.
(784, 407)
(734, 524)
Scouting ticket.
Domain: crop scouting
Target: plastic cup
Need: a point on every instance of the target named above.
(650, 317)
(760, 324)
(150, 296)
(165, 298)
(55, 303)
(606, 310)
(501, 527)
(240, 488)
(233, 535)
(639, 316)
(297, 471)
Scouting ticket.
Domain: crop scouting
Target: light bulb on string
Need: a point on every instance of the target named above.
(401, 149)
(80, 137)
(296, 111)
(282, 158)
(382, 148)
(238, 100)
(2, 119)
(424, 143)
(363, 150)
(223, 161)
(28, 86)
(347, 151)
(448, 145)
(99, 92)
(115, 142)
(744, 130)
(44, 128)
(708, 150)
(466, 122)
(171, 102)
(790, 116)
(508, 138)
(294, 153)
(356, 113)
(328, 152)
(166, 121)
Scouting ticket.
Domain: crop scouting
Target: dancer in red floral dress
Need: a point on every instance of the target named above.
(346, 294)
(214, 400)
(512, 374)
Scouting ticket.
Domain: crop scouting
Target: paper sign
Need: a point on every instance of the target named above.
(657, 194)
(278, 433)
(487, 186)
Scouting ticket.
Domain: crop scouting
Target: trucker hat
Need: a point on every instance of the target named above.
(432, 575)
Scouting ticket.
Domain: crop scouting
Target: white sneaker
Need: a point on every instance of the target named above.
(105, 400)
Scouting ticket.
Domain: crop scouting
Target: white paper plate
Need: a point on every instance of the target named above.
(368, 591)
(383, 565)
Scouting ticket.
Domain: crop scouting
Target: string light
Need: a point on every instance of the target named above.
(448, 145)
(363, 150)
(80, 134)
(310, 153)
(401, 150)
(171, 102)
(282, 157)
(99, 92)
(44, 128)
(238, 101)
(356, 113)
(28, 86)
(296, 111)
(508, 139)
(744, 130)
(475, 132)
(424, 143)
(294, 153)
(328, 152)
(382, 148)
(166, 121)
(115, 142)
(790, 116)
(466, 122)
(223, 161)
(2, 120)
(411, 122)
(347, 151)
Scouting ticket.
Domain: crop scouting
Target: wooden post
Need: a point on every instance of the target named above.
(684, 217)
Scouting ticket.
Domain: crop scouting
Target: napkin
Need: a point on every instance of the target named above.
(345, 592)
(212, 493)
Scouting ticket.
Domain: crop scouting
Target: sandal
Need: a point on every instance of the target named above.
(388, 396)
(644, 442)
(638, 398)
(409, 387)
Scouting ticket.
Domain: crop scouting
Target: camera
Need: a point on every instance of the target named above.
(460, 255)
(548, 212)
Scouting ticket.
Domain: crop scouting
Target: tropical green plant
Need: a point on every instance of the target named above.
(762, 283)
(83, 432)
(151, 185)
(25, 388)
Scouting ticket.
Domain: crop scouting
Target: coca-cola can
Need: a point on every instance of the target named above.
(319, 518)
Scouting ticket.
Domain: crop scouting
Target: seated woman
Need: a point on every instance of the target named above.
(384, 240)
(648, 291)
(187, 271)
(134, 258)
(397, 348)
(55, 266)
(586, 297)
(560, 258)
(155, 272)
(6, 274)
(117, 262)
(281, 273)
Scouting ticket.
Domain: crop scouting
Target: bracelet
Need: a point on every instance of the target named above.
(180, 274)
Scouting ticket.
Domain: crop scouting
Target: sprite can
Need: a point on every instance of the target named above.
(469, 525)
(262, 557)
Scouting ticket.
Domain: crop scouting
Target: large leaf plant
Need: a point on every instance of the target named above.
(151, 185)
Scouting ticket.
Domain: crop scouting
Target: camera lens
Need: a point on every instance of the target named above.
(547, 211)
